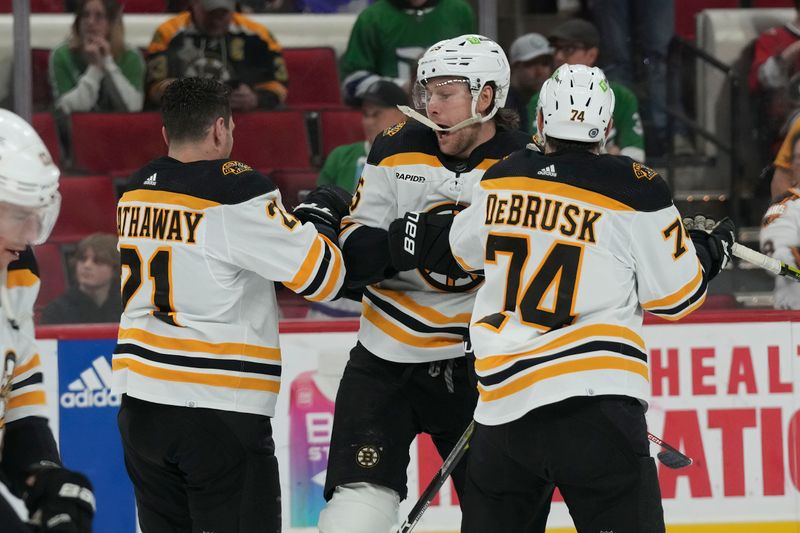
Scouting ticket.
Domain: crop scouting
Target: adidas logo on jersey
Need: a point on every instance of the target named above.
(151, 180)
(549, 170)
(92, 388)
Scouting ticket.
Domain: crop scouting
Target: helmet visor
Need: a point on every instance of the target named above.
(22, 225)
(443, 91)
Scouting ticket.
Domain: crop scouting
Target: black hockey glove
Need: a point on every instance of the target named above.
(60, 501)
(713, 242)
(421, 240)
(324, 207)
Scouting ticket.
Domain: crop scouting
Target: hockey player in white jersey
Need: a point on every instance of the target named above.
(574, 246)
(203, 238)
(408, 373)
(58, 499)
(780, 238)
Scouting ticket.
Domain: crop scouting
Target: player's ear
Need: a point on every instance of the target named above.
(593, 53)
(485, 99)
(164, 135)
(220, 131)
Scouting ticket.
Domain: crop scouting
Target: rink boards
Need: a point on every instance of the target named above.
(725, 390)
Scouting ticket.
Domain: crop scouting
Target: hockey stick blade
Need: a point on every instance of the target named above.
(424, 501)
(766, 262)
(669, 456)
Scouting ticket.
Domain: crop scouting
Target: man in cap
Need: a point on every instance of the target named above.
(378, 112)
(577, 42)
(211, 40)
(531, 64)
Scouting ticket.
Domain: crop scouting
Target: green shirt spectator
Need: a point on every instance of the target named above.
(390, 35)
(94, 70)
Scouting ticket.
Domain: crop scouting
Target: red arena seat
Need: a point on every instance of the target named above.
(271, 139)
(88, 205)
(115, 143)
(45, 126)
(313, 77)
(340, 126)
(52, 273)
(37, 6)
(144, 6)
(294, 184)
(41, 94)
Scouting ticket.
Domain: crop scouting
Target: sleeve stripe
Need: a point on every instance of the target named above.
(686, 311)
(307, 268)
(29, 398)
(322, 271)
(347, 228)
(33, 363)
(33, 379)
(680, 294)
(336, 278)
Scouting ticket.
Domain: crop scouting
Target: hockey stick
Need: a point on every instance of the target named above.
(6, 377)
(438, 480)
(669, 456)
(766, 262)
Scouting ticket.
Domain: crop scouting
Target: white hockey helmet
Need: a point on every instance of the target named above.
(28, 176)
(576, 103)
(478, 60)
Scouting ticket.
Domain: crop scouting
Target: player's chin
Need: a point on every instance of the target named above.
(449, 144)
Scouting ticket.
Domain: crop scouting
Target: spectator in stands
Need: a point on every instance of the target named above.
(531, 64)
(577, 42)
(640, 29)
(94, 70)
(210, 40)
(96, 295)
(776, 58)
(378, 112)
(390, 35)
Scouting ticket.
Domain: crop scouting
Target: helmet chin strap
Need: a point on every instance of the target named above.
(476, 118)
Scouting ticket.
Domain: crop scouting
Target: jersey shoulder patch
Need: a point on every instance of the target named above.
(404, 137)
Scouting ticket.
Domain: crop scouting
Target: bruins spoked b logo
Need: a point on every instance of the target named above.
(441, 281)
(368, 456)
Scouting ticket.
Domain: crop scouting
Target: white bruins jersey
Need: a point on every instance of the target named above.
(417, 316)
(201, 244)
(573, 246)
(26, 394)
(780, 238)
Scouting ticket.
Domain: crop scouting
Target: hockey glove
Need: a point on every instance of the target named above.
(714, 248)
(60, 501)
(421, 240)
(324, 207)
